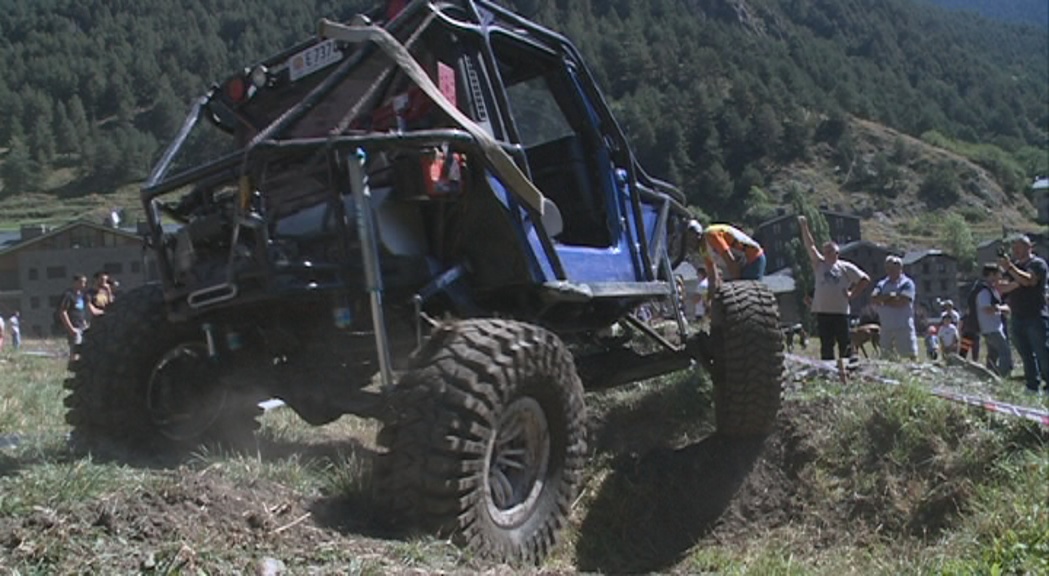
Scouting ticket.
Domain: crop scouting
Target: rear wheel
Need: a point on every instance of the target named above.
(490, 438)
(747, 363)
(143, 384)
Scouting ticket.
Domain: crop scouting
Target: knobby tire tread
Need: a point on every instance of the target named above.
(460, 381)
(748, 367)
(106, 400)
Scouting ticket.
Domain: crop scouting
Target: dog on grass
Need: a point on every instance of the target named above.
(864, 333)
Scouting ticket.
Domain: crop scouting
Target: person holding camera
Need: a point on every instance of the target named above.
(100, 295)
(1029, 314)
(893, 297)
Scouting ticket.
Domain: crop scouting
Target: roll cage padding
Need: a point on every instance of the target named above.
(500, 162)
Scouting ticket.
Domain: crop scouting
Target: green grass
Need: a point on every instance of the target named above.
(66, 201)
(862, 479)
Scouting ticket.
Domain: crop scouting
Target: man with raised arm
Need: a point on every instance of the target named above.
(837, 282)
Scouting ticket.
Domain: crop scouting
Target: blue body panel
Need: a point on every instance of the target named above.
(620, 262)
(583, 264)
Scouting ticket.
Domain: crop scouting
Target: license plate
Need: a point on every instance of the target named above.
(313, 58)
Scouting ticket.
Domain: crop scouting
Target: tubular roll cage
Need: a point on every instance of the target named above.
(268, 144)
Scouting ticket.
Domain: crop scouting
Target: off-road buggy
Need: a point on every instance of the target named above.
(430, 218)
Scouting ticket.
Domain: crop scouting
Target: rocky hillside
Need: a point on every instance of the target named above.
(883, 185)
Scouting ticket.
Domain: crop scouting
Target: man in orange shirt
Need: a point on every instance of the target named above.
(727, 248)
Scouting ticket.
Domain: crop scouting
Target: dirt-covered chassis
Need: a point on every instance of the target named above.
(433, 221)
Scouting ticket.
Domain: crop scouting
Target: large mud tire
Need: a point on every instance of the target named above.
(489, 441)
(748, 359)
(113, 404)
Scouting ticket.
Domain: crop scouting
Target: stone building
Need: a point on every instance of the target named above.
(37, 268)
(935, 275)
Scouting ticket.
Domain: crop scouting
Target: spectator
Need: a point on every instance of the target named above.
(100, 295)
(948, 336)
(73, 313)
(837, 282)
(727, 248)
(947, 307)
(990, 311)
(14, 324)
(932, 343)
(701, 296)
(970, 343)
(1029, 312)
(894, 297)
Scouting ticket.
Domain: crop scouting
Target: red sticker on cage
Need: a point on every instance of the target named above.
(446, 81)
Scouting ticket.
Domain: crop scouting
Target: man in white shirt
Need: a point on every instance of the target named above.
(836, 283)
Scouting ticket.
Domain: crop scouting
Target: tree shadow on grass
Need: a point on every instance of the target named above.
(652, 509)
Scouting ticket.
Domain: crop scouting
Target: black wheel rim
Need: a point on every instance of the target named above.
(183, 396)
(517, 461)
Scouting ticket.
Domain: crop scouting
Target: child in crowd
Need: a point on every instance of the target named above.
(932, 343)
(948, 334)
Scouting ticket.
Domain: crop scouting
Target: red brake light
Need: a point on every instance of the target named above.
(236, 90)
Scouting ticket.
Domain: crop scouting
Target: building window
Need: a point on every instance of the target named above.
(925, 268)
(136, 267)
(34, 274)
(943, 285)
(775, 228)
(942, 268)
(56, 272)
(34, 302)
(54, 301)
(927, 286)
(113, 268)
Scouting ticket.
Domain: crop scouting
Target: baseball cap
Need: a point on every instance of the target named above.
(695, 226)
(1022, 239)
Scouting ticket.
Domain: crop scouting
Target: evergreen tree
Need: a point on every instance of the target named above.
(957, 238)
(18, 171)
(42, 143)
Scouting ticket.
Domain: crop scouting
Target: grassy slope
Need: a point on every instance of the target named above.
(856, 481)
(63, 197)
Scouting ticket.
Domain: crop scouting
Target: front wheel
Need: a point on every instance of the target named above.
(489, 441)
(747, 363)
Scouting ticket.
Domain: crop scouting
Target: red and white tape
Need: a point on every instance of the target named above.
(988, 404)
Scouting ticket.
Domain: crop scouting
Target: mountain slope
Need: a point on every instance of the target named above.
(717, 95)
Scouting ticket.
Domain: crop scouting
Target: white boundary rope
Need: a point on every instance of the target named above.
(988, 404)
